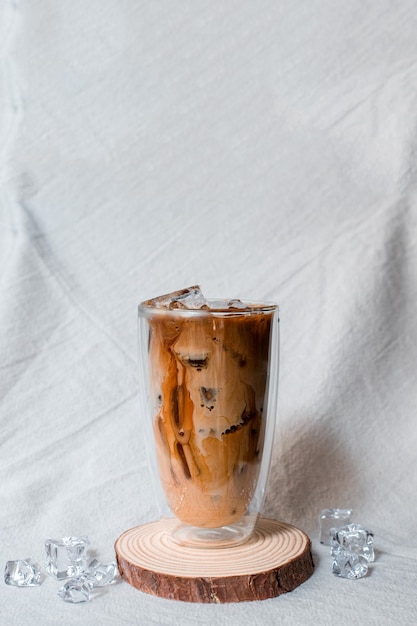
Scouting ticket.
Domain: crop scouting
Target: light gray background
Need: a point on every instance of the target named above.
(266, 150)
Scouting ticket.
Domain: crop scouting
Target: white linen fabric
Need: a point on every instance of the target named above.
(265, 150)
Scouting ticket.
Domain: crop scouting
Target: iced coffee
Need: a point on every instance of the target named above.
(208, 370)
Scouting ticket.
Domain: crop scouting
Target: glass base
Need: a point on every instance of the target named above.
(220, 537)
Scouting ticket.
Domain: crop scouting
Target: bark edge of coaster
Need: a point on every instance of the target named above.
(275, 560)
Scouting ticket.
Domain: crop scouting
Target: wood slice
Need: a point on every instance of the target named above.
(276, 559)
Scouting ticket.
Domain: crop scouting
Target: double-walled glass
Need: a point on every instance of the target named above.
(208, 390)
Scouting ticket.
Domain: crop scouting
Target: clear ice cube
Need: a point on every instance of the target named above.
(227, 304)
(188, 298)
(353, 538)
(98, 574)
(332, 518)
(22, 573)
(192, 299)
(74, 590)
(349, 565)
(66, 557)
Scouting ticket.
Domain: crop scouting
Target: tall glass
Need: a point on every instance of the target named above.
(208, 389)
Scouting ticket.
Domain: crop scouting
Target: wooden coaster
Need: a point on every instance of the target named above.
(276, 559)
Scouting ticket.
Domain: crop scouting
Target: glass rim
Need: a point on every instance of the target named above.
(247, 307)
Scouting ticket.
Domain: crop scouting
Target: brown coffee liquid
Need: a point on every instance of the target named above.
(208, 389)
